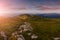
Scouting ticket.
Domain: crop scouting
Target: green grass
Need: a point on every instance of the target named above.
(46, 28)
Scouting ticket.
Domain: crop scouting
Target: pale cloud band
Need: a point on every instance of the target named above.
(33, 11)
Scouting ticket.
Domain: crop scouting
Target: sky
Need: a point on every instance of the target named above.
(16, 7)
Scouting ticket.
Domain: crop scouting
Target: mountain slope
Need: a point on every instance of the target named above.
(46, 28)
(50, 15)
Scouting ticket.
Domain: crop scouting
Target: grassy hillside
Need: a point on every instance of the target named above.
(9, 24)
(46, 28)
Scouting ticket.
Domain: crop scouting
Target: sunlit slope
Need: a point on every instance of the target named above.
(44, 27)
(9, 24)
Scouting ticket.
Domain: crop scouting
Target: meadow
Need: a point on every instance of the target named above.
(45, 28)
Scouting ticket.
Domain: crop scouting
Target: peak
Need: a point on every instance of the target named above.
(24, 16)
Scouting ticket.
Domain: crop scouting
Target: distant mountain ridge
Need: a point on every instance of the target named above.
(46, 15)
(50, 15)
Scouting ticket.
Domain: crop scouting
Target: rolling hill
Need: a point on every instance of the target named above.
(46, 28)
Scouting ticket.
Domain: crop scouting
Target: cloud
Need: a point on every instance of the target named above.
(14, 7)
(33, 11)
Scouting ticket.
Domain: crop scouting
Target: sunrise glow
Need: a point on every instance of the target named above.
(2, 10)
